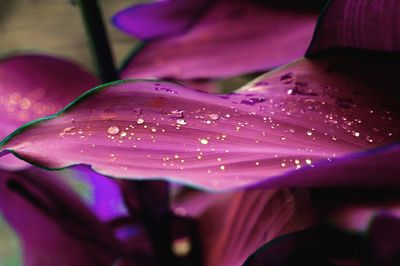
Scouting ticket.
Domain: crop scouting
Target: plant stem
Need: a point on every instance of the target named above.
(96, 33)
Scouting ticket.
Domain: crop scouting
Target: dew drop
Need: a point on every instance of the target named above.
(222, 167)
(140, 121)
(181, 122)
(355, 133)
(113, 130)
(66, 130)
(204, 141)
(214, 116)
(309, 133)
(308, 161)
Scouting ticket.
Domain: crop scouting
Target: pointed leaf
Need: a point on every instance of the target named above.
(276, 36)
(303, 115)
(33, 86)
(161, 18)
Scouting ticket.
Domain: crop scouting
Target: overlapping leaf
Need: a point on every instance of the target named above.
(211, 38)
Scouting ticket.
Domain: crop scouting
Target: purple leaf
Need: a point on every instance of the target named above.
(33, 86)
(327, 245)
(161, 18)
(321, 245)
(303, 115)
(51, 219)
(234, 228)
(372, 25)
(217, 43)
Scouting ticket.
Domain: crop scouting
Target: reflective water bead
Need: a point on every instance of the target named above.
(113, 130)
(203, 141)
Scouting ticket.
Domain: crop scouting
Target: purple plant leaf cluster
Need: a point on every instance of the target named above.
(299, 166)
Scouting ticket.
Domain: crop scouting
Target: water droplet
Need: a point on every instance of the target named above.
(369, 139)
(123, 134)
(181, 122)
(140, 121)
(308, 161)
(283, 138)
(222, 167)
(355, 133)
(214, 116)
(66, 131)
(309, 133)
(203, 141)
(113, 130)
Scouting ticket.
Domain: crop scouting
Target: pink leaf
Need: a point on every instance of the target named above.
(303, 115)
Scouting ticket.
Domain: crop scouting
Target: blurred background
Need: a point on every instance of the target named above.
(53, 27)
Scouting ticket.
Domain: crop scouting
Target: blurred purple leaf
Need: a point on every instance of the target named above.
(328, 245)
(155, 20)
(33, 86)
(51, 219)
(370, 25)
(234, 228)
(213, 39)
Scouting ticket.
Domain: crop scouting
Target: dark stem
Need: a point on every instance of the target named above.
(96, 33)
(149, 201)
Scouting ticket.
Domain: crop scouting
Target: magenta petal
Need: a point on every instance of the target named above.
(216, 45)
(372, 25)
(154, 20)
(301, 116)
(33, 86)
(52, 222)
